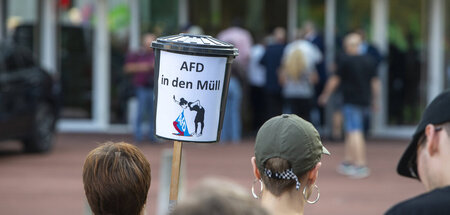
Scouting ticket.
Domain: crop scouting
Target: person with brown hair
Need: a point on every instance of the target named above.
(287, 157)
(116, 178)
(218, 197)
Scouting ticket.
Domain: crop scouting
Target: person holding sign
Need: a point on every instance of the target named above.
(287, 157)
(191, 72)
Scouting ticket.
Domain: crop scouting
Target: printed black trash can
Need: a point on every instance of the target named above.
(192, 73)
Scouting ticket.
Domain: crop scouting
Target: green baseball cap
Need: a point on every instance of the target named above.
(291, 138)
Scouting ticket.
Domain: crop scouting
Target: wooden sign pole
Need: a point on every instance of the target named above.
(175, 178)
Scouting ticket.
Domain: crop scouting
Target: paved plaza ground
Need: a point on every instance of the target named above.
(51, 184)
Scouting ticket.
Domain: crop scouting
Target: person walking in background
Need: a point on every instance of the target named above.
(298, 75)
(286, 164)
(116, 178)
(427, 159)
(360, 87)
(141, 66)
(271, 60)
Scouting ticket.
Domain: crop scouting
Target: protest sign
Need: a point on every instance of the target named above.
(190, 90)
(191, 84)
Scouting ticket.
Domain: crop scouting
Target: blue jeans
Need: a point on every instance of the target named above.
(144, 110)
(231, 130)
(354, 117)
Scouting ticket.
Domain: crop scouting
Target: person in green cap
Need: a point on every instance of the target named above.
(287, 158)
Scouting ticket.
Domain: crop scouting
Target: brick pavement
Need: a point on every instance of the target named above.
(51, 183)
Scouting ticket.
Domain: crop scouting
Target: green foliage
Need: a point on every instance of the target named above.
(405, 18)
(397, 37)
(119, 17)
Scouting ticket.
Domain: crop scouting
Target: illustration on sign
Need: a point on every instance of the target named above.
(180, 123)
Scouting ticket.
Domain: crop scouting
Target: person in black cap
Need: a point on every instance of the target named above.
(427, 159)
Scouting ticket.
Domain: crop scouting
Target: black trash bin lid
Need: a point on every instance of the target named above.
(195, 44)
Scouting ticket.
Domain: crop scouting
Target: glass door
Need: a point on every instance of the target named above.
(407, 61)
(74, 50)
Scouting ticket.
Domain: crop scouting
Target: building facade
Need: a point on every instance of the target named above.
(83, 43)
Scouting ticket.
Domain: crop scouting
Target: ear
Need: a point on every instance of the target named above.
(432, 143)
(255, 168)
(314, 173)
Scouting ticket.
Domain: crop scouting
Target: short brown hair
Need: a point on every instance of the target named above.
(446, 126)
(116, 179)
(278, 186)
(218, 197)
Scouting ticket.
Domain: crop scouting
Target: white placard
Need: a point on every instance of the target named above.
(189, 96)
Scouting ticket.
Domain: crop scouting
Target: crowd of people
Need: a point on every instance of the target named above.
(286, 162)
(287, 86)
(292, 78)
(270, 76)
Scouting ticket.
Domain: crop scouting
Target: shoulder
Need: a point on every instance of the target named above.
(372, 49)
(273, 48)
(405, 207)
(434, 202)
(366, 59)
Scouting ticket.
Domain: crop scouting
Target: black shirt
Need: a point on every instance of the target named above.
(200, 116)
(356, 73)
(435, 202)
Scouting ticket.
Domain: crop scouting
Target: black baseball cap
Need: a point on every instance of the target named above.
(437, 112)
(291, 138)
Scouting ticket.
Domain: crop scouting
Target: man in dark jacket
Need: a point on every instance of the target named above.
(271, 60)
(427, 159)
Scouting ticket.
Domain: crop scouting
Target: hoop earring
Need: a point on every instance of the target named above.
(257, 196)
(315, 200)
